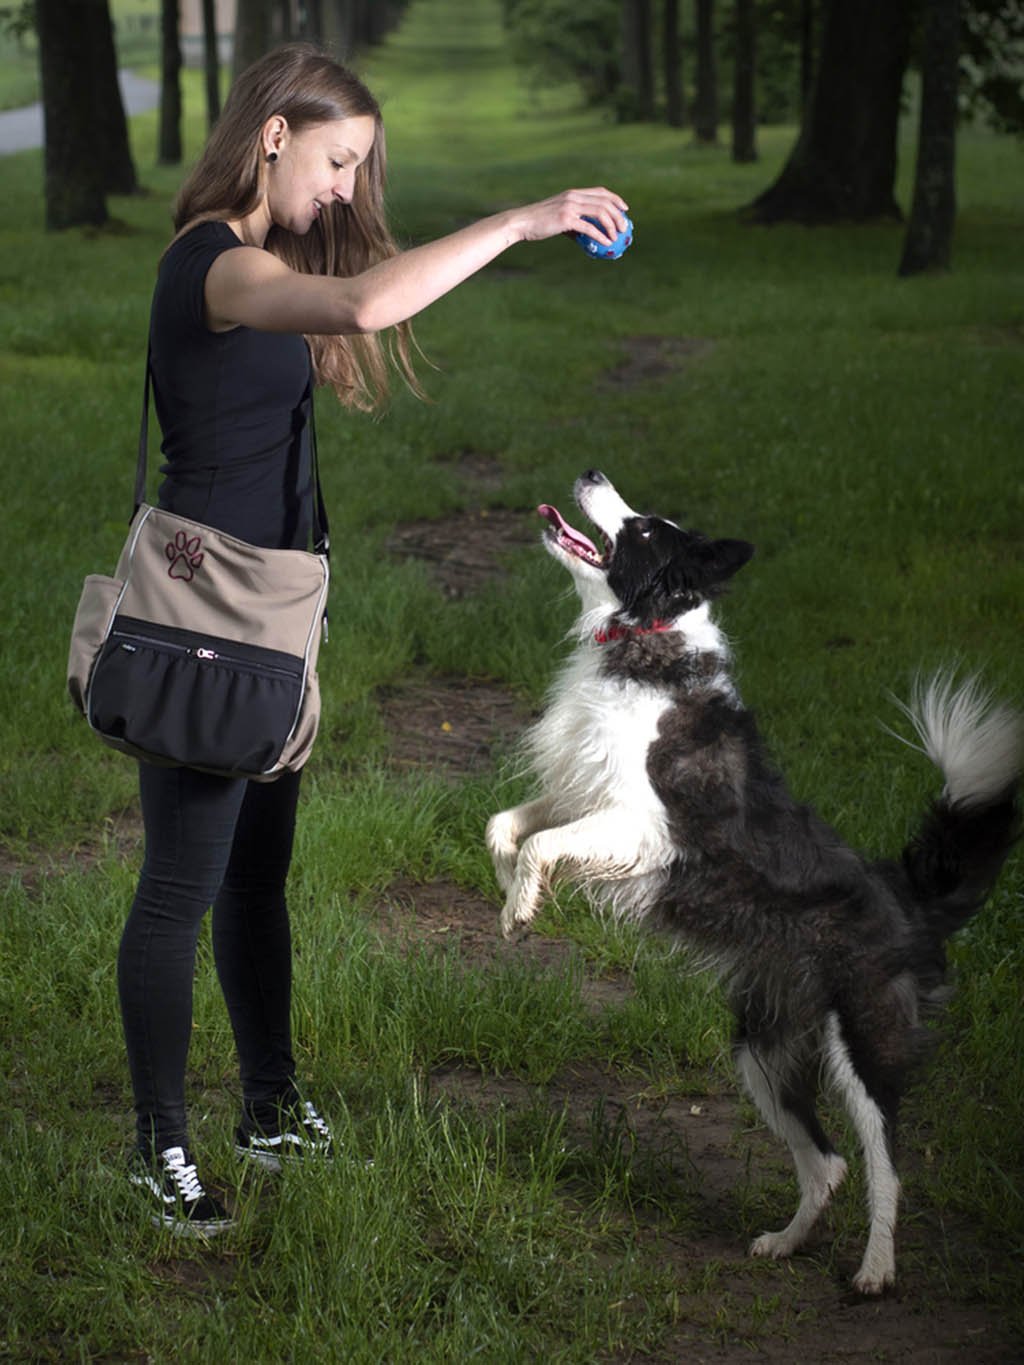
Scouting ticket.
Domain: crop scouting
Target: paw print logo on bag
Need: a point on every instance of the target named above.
(186, 555)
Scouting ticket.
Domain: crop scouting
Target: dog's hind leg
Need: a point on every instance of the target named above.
(874, 1129)
(785, 1098)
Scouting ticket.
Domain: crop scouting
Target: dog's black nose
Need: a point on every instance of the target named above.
(593, 476)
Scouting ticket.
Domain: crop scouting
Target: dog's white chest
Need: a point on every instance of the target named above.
(590, 748)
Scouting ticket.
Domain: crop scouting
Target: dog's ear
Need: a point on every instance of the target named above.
(701, 567)
(723, 558)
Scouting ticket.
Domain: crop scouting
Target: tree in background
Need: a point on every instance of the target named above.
(344, 26)
(169, 135)
(992, 64)
(564, 40)
(313, 20)
(705, 104)
(73, 177)
(211, 62)
(744, 113)
(636, 98)
(672, 55)
(786, 56)
(87, 154)
(254, 34)
(597, 45)
(929, 239)
(806, 50)
(109, 124)
(843, 166)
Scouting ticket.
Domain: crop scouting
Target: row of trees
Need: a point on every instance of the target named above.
(672, 59)
(346, 26)
(87, 151)
(841, 63)
(636, 56)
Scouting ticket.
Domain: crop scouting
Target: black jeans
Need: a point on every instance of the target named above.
(225, 842)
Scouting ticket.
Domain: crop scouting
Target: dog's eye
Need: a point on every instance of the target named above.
(646, 530)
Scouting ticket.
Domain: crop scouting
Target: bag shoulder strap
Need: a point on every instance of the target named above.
(321, 528)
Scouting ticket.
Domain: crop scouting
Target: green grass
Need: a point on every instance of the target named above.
(862, 430)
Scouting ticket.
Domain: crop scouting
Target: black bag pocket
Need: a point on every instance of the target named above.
(193, 699)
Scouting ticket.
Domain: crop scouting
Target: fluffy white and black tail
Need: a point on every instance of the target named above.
(978, 745)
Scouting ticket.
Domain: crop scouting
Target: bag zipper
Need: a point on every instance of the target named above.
(129, 642)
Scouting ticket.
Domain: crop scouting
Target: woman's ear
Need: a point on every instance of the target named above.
(273, 135)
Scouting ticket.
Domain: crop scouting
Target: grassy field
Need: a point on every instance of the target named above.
(864, 432)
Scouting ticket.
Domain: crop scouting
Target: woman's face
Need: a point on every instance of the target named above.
(314, 167)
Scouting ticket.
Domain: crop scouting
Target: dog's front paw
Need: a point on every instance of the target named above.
(515, 918)
(773, 1246)
(523, 902)
(501, 845)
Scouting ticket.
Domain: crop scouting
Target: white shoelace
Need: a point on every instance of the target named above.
(183, 1174)
(311, 1119)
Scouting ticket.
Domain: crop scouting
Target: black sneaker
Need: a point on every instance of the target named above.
(300, 1133)
(183, 1206)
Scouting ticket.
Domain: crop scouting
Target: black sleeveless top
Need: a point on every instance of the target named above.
(232, 406)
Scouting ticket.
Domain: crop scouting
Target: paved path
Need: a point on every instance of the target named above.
(21, 129)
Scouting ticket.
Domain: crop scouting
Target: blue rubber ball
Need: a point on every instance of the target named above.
(605, 250)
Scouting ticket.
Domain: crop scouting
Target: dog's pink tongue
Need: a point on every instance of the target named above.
(554, 516)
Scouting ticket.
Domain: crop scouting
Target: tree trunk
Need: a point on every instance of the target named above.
(313, 21)
(376, 19)
(806, 51)
(705, 108)
(252, 33)
(675, 104)
(371, 21)
(637, 72)
(110, 127)
(843, 166)
(361, 25)
(744, 115)
(169, 137)
(211, 62)
(929, 241)
(73, 174)
(338, 27)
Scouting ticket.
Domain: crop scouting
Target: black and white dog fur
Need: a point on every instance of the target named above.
(657, 797)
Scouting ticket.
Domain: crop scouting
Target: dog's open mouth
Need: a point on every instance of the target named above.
(573, 542)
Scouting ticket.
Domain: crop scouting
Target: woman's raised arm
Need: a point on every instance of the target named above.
(252, 288)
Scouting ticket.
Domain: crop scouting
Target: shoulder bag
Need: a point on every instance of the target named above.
(201, 650)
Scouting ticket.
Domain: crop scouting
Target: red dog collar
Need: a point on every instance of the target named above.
(604, 636)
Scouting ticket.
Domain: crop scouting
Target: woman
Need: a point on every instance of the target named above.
(282, 274)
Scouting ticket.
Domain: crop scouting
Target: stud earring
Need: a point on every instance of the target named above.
(271, 156)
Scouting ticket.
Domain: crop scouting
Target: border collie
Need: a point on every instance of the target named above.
(657, 797)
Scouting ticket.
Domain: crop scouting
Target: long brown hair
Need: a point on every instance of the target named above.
(306, 87)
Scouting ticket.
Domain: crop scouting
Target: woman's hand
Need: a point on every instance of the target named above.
(568, 211)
